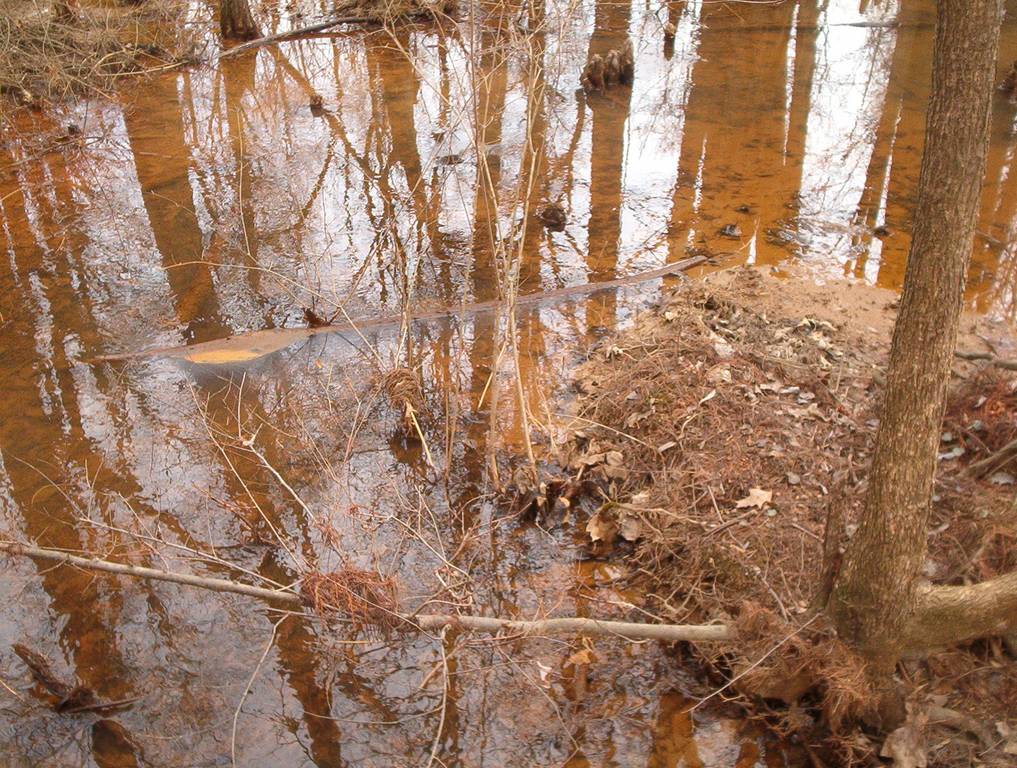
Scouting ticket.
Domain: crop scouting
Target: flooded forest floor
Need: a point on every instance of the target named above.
(316, 318)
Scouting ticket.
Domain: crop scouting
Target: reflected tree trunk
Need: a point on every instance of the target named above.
(399, 87)
(42, 427)
(236, 22)
(490, 88)
(610, 115)
(163, 163)
(610, 112)
(238, 81)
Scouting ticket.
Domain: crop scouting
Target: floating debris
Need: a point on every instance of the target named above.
(553, 217)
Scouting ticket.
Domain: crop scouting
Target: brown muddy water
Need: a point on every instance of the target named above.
(214, 201)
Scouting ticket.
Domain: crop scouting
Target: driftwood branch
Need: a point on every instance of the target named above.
(492, 625)
(310, 29)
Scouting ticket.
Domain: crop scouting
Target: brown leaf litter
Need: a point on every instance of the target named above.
(711, 440)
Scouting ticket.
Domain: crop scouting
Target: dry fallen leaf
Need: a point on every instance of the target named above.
(906, 745)
(602, 527)
(586, 460)
(757, 498)
(708, 396)
(545, 671)
(584, 656)
(719, 374)
(633, 420)
(631, 527)
(723, 349)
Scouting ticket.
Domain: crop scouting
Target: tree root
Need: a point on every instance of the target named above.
(946, 616)
(998, 362)
(995, 460)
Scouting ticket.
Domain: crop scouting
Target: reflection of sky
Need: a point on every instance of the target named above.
(846, 102)
(660, 94)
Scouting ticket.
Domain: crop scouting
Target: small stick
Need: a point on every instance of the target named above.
(571, 625)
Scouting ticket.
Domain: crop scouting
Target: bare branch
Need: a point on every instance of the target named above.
(489, 624)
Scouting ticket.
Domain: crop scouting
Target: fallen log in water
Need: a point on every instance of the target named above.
(249, 346)
(571, 625)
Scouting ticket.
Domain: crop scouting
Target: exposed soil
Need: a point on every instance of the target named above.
(711, 442)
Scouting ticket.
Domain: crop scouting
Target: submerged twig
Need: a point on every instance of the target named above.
(570, 625)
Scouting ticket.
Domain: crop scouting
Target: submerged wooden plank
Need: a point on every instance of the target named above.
(251, 346)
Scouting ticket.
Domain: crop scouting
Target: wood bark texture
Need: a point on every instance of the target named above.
(876, 600)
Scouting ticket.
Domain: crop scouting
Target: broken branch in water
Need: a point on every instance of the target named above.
(310, 29)
(567, 625)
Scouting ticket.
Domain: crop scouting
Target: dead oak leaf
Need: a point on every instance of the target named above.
(757, 497)
(630, 527)
(602, 527)
(906, 745)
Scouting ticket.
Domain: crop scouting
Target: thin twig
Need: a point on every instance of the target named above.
(247, 689)
(436, 744)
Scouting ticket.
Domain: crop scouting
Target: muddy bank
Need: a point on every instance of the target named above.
(719, 448)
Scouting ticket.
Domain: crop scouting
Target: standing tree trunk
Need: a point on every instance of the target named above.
(877, 604)
(236, 20)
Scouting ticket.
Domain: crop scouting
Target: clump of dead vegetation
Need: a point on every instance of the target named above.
(403, 390)
(715, 438)
(50, 50)
(367, 598)
(720, 446)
